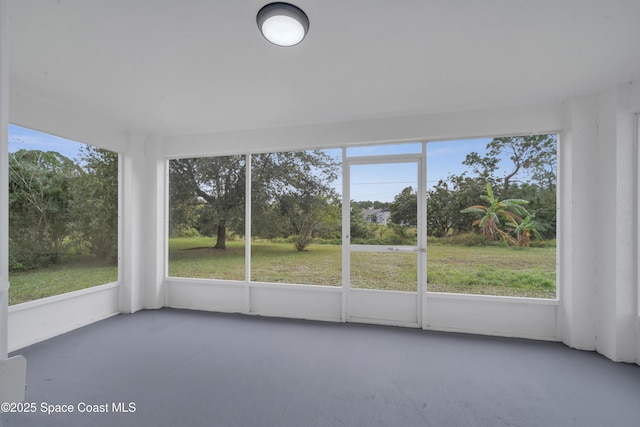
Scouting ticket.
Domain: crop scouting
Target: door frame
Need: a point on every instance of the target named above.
(394, 299)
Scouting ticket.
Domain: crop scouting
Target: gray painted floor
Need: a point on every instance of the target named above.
(187, 368)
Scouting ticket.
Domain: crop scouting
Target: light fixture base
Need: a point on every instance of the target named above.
(283, 24)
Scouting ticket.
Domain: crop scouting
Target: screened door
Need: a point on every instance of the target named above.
(384, 251)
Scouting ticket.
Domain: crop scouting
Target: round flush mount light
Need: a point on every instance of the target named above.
(283, 24)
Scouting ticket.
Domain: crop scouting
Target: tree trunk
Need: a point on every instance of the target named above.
(221, 242)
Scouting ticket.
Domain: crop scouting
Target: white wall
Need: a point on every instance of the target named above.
(598, 213)
(12, 370)
(4, 175)
(484, 315)
(40, 114)
(516, 120)
(42, 319)
(599, 232)
(143, 225)
(577, 243)
(35, 321)
(626, 218)
(493, 315)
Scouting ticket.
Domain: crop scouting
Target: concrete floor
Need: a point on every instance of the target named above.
(187, 368)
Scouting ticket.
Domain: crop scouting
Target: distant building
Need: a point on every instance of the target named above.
(376, 216)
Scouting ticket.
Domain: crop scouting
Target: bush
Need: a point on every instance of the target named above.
(300, 242)
(469, 239)
(433, 240)
(399, 235)
(187, 232)
(30, 258)
(543, 243)
(16, 263)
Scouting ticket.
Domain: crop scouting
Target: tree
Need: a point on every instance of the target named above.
(446, 201)
(534, 155)
(95, 204)
(368, 204)
(525, 230)
(301, 214)
(404, 208)
(510, 210)
(184, 217)
(358, 229)
(542, 202)
(40, 198)
(530, 164)
(219, 182)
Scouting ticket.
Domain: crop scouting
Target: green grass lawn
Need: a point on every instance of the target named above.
(485, 270)
(59, 279)
(492, 270)
(488, 270)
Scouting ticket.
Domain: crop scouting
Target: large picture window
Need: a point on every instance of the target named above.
(63, 215)
(484, 208)
(207, 217)
(295, 218)
(491, 216)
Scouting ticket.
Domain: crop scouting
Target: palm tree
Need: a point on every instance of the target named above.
(510, 210)
(526, 229)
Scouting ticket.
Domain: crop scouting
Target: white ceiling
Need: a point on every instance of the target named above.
(174, 67)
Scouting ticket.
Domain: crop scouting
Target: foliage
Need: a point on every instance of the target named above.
(296, 186)
(184, 216)
(533, 156)
(530, 162)
(95, 204)
(217, 186)
(489, 222)
(330, 226)
(41, 194)
(217, 182)
(368, 204)
(57, 205)
(469, 239)
(208, 194)
(446, 201)
(519, 224)
(525, 230)
(396, 234)
(542, 203)
(392, 234)
(404, 208)
(301, 215)
(358, 228)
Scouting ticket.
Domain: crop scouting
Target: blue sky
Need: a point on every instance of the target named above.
(446, 157)
(381, 182)
(370, 182)
(23, 138)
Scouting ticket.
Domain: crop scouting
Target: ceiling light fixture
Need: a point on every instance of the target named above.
(283, 24)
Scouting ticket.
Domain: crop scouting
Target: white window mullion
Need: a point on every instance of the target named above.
(346, 231)
(247, 234)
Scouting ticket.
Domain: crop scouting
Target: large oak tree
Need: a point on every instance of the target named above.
(220, 184)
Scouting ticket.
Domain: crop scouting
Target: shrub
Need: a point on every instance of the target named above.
(543, 243)
(433, 240)
(470, 239)
(187, 232)
(300, 241)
